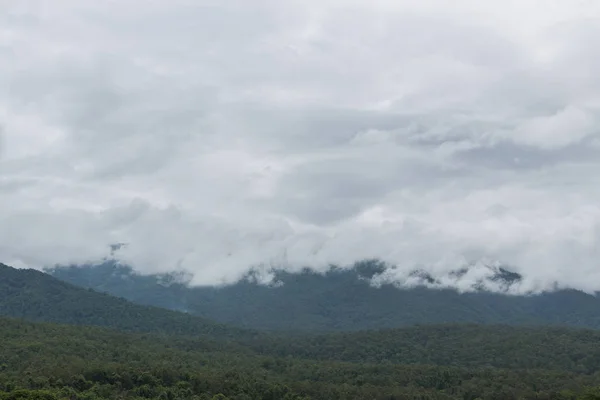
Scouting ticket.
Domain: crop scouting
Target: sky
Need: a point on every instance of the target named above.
(213, 136)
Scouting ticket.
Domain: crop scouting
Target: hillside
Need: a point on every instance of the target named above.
(339, 300)
(37, 296)
(48, 361)
(169, 355)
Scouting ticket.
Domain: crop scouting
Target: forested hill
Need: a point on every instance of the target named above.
(340, 299)
(161, 354)
(37, 296)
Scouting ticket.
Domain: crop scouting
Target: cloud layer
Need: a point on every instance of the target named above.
(213, 136)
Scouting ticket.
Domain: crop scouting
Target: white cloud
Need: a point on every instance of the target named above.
(566, 127)
(213, 136)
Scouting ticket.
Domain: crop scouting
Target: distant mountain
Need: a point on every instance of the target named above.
(342, 299)
(36, 296)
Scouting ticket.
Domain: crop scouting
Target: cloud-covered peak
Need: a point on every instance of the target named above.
(213, 137)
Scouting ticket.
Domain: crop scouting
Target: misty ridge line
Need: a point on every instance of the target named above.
(477, 277)
(353, 298)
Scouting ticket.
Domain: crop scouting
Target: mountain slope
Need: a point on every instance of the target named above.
(435, 362)
(338, 300)
(37, 296)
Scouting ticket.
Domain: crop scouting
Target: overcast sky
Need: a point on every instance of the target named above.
(213, 135)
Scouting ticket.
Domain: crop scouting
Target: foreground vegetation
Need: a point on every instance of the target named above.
(47, 361)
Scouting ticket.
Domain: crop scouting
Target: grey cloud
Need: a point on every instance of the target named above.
(510, 156)
(215, 136)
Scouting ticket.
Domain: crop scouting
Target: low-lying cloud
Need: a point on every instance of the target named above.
(214, 136)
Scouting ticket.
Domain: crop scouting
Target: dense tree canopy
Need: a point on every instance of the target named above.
(46, 361)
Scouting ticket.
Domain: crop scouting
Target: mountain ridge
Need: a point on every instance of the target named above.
(37, 296)
(340, 299)
(148, 353)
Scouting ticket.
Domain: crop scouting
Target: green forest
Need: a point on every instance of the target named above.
(58, 341)
(49, 361)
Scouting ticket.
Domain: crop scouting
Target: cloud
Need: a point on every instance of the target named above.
(214, 136)
(566, 127)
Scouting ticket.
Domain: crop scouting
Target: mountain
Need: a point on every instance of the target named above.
(341, 299)
(154, 353)
(36, 296)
